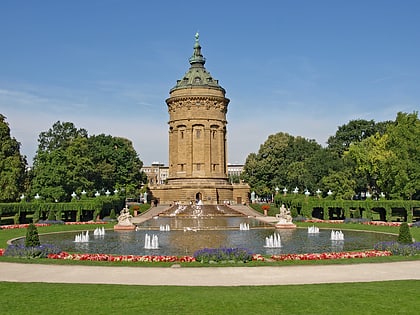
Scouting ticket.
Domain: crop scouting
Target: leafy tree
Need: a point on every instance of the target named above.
(12, 165)
(60, 136)
(116, 164)
(283, 160)
(390, 162)
(400, 174)
(352, 132)
(60, 162)
(69, 161)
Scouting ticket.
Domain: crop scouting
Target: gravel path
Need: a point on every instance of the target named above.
(210, 276)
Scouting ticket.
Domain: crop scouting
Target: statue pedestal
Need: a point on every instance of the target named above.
(289, 225)
(119, 227)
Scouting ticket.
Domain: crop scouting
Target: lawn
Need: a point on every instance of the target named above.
(391, 297)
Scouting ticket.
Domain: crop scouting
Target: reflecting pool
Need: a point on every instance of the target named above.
(188, 234)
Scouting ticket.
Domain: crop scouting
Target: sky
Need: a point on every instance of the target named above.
(302, 67)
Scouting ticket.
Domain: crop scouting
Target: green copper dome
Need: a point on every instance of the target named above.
(197, 75)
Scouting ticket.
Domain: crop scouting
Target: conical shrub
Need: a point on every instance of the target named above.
(32, 238)
(404, 235)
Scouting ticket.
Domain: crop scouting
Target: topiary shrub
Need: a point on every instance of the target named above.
(404, 235)
(32, 238)
(112, 214)
(51, 215)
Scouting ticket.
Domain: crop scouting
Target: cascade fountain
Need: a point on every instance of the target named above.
(99, 231)
(164, 228)
(151, 242)
(273, 241)
(82, 238)
(244, 227)
(337, 235)
(313, 230)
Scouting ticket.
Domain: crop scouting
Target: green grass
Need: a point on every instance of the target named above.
(391, 297)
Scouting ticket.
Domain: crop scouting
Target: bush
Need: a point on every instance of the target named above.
(51, 215)
(222, 254)
(112, 214)
(32, 238)
(397, 248)
(404, 236)
(41, 251)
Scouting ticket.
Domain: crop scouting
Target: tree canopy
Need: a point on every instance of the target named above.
(382, 159)
(68, 160)
(12, 164)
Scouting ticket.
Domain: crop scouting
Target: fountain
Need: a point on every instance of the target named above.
(99, 231)
(313, 230)
(164, 228)
(211, 230)
(124, 221)
(337, 235)
(151, 242)
(82, 238)
(285, 219)
(273, 241)
(244, 227)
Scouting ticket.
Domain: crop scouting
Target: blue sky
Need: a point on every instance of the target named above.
(301, 67)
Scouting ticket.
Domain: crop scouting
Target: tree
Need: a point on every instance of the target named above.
(12, 165)
(116, 164)
(390, 163)
(400, 174)
(282, 160)
(353, 132)
(68, 161)
(60, 164)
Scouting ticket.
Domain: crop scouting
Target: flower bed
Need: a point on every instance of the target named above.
(20, 226)
(339, 255)
(132, 258)
(24, 226)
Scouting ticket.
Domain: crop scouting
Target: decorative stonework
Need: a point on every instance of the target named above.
(197, 109)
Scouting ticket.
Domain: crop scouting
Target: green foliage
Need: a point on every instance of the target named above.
(32, 238)
(284, 160)
(404, 235)
(211, 255)
(112, 215)
(12, 165)
(68, 161)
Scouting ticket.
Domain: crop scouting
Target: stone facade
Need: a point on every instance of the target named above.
(197, 109)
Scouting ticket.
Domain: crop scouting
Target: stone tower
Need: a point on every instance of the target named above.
(197, 109)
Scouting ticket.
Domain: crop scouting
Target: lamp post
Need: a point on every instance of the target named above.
(285, 191)
(318, 193)
(22, 198)
(73, 195)
(97, 194)
(115, 191)
(296, 190)
(37, 196)
(329, 193)
(107, 193)
(307, 193)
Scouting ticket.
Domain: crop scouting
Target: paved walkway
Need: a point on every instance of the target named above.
(210, 276)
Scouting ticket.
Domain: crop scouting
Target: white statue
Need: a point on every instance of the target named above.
(124, 217)
(284, 216)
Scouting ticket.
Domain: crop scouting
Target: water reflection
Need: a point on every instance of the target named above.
(189, 234)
